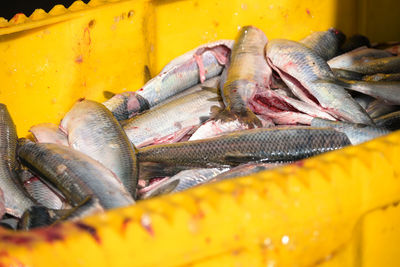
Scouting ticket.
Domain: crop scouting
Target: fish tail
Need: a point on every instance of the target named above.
(246, 117)
(148, 170)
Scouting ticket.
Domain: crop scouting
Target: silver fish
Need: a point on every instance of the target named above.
(198, 65)
(381, 77)
(386, 91)
(357, 56)
(380, 65)
(93, 130)
(244, 170)
(389, 121)
(265, 145)
(378, 108)
(75, 174)
(16, 199)
(183, 180)
(247, 73)
(185, 112)
(326, 44)
(357, 133)
(303, 70)
(41, 192)
(48, 133)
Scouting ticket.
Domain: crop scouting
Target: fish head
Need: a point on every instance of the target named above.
(338, 35)
(79, 110)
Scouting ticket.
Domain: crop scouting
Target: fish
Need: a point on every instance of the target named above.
(357, 56)
(170, 118)
(125, 105)
(389, 92)
(198, 65)
(364, 101)
(215, 47)
(357, 133)
(48, 133)
(244, 170)
(347, 74)
(305, 72)
(9, 223)
(182, 181)
(40, 216)
(93, 130)
(395, 49)
(325, 44)
(88, 207)
(41, 192)
(150, 170)
(76, 175)
(15, 198)
(2, 204)
(355, 41)
(265, 145)
(381, 77)
(247, 73)
(378, 108)
(280, 117)
(389, 121)
(281, 102)
(213, 128)
(35, 217)
(380, 65)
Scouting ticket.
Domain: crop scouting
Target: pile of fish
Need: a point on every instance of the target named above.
(223, 110)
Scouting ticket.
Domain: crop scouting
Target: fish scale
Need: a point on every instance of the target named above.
(269, 145)
(16, 200)
(187, 111)
(325, 43)
(314, 79)
(93, 130)
(75, 174)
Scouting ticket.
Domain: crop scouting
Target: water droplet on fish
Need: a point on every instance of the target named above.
(285, 239)
(235, 13)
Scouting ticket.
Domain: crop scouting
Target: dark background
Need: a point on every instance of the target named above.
(11, 7)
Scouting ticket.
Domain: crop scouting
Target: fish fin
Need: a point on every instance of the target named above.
(37, 216)
(147, 73)
(148, 170)
(210, 89)
(246, 117)
(203, 119)
(236, 158)
(108, 94)
(217, 98)
(214, 111)
(213, 90)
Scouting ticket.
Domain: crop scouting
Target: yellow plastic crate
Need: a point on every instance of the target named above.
(337, 209)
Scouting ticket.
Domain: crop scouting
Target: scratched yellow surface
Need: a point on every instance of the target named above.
(338, 209)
